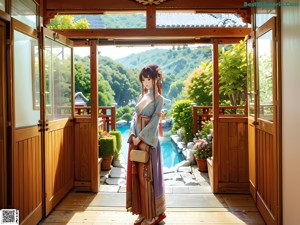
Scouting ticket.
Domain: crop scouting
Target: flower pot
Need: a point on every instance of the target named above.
(106, 163)
(202, 165)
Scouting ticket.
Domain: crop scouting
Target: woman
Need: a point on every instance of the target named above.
(145, 195)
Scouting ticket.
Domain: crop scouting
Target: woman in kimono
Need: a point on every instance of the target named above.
(145, 195)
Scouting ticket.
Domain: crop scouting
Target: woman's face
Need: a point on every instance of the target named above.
(147, 83)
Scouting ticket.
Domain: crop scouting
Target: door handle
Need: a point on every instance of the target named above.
(255, 123)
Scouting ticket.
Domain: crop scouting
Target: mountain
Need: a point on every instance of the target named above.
(176, 62)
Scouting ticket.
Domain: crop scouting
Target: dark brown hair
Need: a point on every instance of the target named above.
(151, 71)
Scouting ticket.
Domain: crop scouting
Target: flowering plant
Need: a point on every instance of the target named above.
(202, 149)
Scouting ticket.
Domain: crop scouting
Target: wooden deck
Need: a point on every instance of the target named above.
(184, 209)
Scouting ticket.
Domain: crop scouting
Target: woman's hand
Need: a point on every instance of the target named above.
(136, 140)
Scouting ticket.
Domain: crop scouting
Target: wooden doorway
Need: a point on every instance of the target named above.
(58, 122)
(43, 130)
(3, 120)
(263, 122)
(27, 194)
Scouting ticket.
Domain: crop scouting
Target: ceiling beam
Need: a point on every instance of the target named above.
(154, 33)
(125, 5)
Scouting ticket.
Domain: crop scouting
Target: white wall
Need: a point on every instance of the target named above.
(291, 113)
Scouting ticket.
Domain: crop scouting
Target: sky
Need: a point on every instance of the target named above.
(116, 52)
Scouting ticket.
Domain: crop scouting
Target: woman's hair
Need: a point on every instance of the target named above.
(151, 71)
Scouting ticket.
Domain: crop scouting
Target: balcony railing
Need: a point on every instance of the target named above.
(107, 116)
(205, 113)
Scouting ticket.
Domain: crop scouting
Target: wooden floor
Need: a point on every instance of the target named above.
(183, 209)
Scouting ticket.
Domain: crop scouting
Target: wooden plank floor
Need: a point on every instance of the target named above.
(87, 208)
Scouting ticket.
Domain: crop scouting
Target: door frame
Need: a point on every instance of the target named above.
(252, 118)
(3, 118)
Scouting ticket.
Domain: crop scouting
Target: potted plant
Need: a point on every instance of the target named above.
(107, 147)
(202, 150)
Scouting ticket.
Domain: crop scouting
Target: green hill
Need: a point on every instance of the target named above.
(175, 62)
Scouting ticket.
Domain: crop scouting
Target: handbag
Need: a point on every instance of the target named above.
(137, 155)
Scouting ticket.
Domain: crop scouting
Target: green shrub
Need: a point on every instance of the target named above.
(205, 130)
(107, 146)
(182, 113)
(118, 136)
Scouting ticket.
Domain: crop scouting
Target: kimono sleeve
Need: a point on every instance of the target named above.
(149, 133)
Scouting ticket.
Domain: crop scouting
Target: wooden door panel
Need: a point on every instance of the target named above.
(59, 161)
(267, 178)
(266, 133)
(27, 175)
(233, 146)
(252, 157)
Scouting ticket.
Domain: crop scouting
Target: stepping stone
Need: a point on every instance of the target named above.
(187, 175)
(186, 169)
(104, 173)
(118, 163)
(190, 182)
(169, 170)
(117, 172)
(115, 181)
(183, 163)
(174, 183)
(168, 176)
(177, 177)
(103, 179)
(181, 145)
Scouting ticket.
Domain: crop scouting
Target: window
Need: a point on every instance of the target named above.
(25, 11)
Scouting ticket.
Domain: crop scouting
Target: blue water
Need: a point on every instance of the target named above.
(169, 152)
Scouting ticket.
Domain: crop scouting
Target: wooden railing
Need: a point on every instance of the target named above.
(107, 116)
(205, 113)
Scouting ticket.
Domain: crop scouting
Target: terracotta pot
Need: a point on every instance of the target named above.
(106, 163)
(202, 164)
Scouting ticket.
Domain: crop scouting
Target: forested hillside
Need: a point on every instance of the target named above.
(177, 61)
(118, 79)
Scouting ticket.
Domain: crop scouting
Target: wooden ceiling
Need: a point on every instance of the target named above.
(150, 33)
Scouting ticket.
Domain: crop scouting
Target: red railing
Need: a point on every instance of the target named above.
(205, 113)
(107, 115)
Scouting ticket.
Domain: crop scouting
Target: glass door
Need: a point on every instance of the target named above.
(59, 124)
(266, 132)
(27, 126)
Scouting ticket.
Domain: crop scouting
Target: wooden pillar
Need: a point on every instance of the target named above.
(151, 17)
(216, 151)
(113, 118)
(94, 115)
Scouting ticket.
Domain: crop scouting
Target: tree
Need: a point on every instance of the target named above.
(198, 86)
(67, 22)
(233, 74)
(182, 112)
(175, 89)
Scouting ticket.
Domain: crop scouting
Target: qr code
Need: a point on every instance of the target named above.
(9, 216)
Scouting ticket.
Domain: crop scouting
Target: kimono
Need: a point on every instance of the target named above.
(145, 193)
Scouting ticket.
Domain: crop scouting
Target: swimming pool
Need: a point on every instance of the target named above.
(169, 152)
